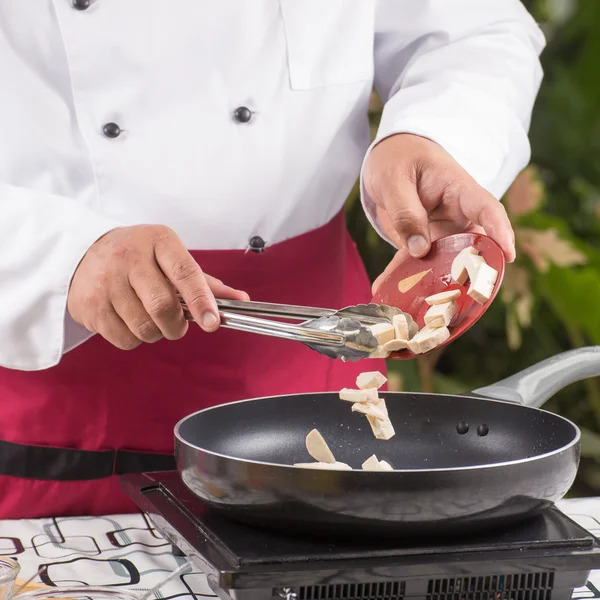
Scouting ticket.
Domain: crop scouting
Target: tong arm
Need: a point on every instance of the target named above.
(271, 309)
(286, 331)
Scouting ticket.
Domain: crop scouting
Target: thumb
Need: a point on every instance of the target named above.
(408, 218)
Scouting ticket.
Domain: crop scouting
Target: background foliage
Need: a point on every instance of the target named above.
(550, 298)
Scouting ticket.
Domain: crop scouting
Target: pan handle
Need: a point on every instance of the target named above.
(537, 384)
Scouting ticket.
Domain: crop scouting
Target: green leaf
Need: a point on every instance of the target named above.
(574, 295)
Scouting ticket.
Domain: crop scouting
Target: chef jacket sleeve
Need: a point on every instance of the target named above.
(43, 238)
(463, 73)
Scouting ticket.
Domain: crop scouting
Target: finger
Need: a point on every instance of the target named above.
(482, 209)
(220, 290)
(186, 275)
(113, 329)
(388, 229)
(158, 301)
(408, 217)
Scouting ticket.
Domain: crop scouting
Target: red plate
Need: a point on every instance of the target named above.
(438, 279)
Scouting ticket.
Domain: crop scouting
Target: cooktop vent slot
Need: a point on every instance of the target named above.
(380, 590)
(520, 586)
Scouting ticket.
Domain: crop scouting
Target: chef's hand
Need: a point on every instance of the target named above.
(125, 288)
(423, 194)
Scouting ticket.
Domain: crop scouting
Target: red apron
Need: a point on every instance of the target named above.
(67, 433)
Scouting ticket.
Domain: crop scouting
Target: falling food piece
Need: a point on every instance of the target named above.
(365, 395)
(369, 410)
(427, 339)
(400, 323)
(458, 270)
(380, 404)
(317, 447)
(370, 379)
(374, 464)
(443, 297)
(407, 284)
(323, 466)
(482, 288)
(382, 429)
(384, 332)
(440, 315)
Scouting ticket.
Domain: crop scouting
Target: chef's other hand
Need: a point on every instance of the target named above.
(423, 194)
(125, 288)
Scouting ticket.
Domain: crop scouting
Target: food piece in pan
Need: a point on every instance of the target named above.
(458, 270)
(482, 288)
(409, 282)
(400, 323)
(384, 332)
(369, 379)
(374, 464)
(317, 447)
(443, 297)
(335, 466)
(369, 409)
(364, 395)
(427, 339)
(440, 315)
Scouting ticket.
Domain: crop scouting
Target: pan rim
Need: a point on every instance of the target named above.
(575, 441)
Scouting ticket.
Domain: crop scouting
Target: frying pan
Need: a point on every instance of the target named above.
(237, 458)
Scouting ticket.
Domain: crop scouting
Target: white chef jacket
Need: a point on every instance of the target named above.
(171, 75)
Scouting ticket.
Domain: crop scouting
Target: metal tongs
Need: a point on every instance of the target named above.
(343, 334)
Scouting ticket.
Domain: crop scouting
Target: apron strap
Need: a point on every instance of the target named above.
(67, 464)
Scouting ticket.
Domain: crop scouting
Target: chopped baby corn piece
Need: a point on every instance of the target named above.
(317, 447)
(380, 404)
(382, 428)
(384, 332)
(400, 323)
(374, 464)
(440, 315)
(427, 339)
(482, 288)
(366, 395)
(335, 466)
(413, 328)
(443, 297)
(370, 379)
(394, 345)
(379, 353)
(472, 264)
(370, 410)
(458, 270)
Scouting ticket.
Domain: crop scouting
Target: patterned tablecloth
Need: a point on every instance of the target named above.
(126, 551)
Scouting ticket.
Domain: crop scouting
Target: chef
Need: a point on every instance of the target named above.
(207, 148)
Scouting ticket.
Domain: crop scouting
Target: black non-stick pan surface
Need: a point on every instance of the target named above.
(462, 464)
